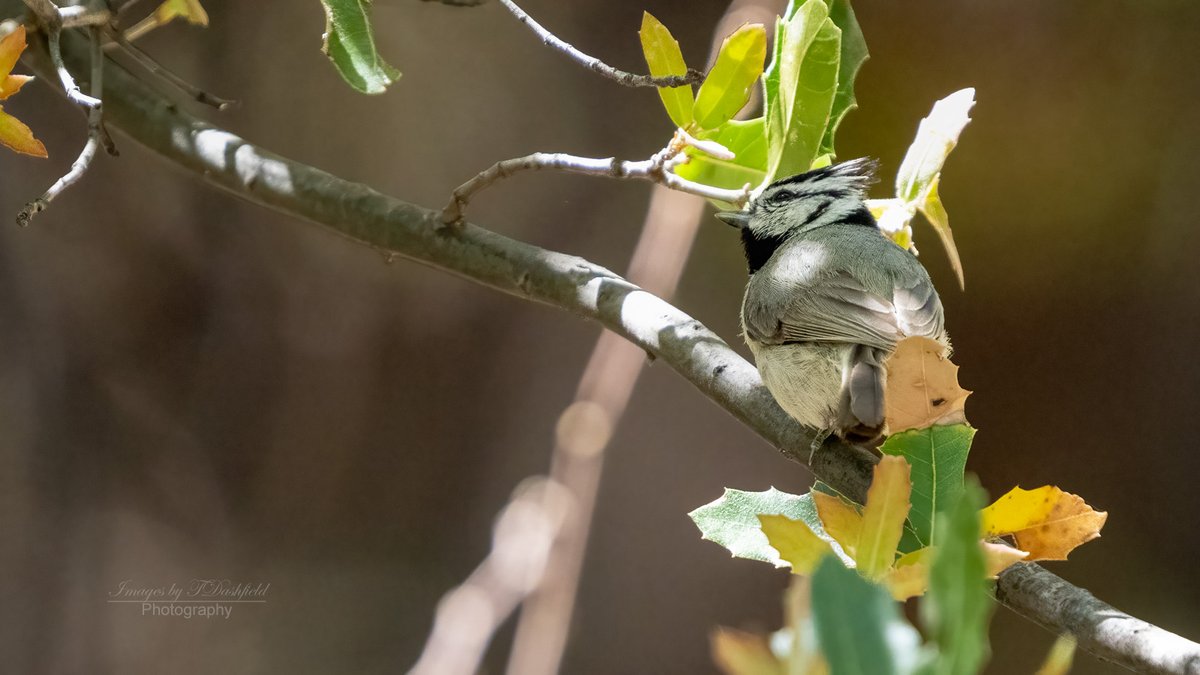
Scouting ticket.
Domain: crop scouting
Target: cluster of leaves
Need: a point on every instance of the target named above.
(807, 89)
(921, 532)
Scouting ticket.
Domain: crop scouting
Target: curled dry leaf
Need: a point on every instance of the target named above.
(1046, 522)
(922, 387)
(999, 557)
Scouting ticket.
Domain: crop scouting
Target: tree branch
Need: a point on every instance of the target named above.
(585, 289)
(657, 169)
(596, 65)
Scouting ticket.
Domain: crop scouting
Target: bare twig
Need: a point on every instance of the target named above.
(655, 169)
(97, 134)
(590, 291)
(596, 65)
(151, 64)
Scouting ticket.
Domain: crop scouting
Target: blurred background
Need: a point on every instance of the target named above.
(191, 386)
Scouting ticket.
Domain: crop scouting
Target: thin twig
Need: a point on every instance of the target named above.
(97, 134)
(656, 169)
(589, 291)
(596, 65)
(151, 64)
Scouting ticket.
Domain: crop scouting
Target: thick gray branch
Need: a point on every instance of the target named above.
(585, 289)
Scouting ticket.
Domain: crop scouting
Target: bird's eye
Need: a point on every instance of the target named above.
(780, 198)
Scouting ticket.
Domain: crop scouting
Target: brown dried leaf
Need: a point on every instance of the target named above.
(922, 387)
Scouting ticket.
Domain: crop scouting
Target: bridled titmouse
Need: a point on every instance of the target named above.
(829, 297)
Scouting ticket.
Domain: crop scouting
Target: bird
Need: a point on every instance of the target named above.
(829, 297)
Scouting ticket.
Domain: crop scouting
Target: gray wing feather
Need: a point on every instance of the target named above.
(840, 309)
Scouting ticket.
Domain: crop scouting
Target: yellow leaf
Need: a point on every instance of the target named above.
(664, 58)
(17, 136)
(922, 387)
(883, 516)
(190, 10)
(796, 543)
(1046, 522)
(999, 557)
(739, 653)
(907, 581)
(936, 214)
(805, 657)
(1062, 653)
(840, 519)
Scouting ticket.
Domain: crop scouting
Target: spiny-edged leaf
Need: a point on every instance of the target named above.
(854, 53)
(840, 520)
(350, 44)
(858, 625)
(938, 456)
(937, 135)
(1000, 557)
(1062, 653)
(795, 541)
(664, 58)
(732, 521)
(748, 142)
(883, 517)
(16, 136)
(936, 214)
(1046, 522)
(807, 84)
(189, 10)
(956, 610)
(740, 653)
(727, 88)
(922, 386)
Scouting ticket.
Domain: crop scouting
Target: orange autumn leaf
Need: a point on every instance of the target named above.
(13, 132)
(922, 387)
(1046, 522)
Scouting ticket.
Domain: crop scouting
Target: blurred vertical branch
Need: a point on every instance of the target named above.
(586, 427)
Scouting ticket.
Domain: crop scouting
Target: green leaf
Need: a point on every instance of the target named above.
(350, 44)
(936, 214)
(938, 456)
(727, 88)
(732, 521)
(859, 627)
(664, 58)
(854, 53)
(801, 89)
(956, 610)
(883, 517)
(748, 142)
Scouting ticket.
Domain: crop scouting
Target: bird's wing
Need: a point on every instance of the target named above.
(839, 308)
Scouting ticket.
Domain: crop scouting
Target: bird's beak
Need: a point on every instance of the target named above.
(737, 219)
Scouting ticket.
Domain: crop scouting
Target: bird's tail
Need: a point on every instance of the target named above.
(860, 409)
